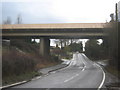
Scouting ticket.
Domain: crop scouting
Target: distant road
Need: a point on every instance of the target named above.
(81, 73)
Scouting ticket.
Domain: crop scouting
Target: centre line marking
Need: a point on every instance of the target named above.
(71, 78)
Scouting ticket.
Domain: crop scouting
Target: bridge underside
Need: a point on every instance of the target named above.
(83, 33)
(53, 37)
(46, 34)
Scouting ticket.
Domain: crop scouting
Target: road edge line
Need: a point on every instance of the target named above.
(103, 78)
(65, 67)
(22, 82)
(14, 84)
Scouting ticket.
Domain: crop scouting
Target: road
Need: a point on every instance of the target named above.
(81, 73)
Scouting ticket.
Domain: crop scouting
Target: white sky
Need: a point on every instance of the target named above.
(60, 11)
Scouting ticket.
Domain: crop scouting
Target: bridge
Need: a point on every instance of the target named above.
(49, 31)
(63, 30)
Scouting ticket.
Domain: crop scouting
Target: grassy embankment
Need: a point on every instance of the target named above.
(109, 68)
(113, 70)
(113, 39)
(21, 61)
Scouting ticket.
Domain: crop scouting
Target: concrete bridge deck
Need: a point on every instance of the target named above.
(58, 30)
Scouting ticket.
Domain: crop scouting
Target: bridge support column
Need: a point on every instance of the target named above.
(44, 46)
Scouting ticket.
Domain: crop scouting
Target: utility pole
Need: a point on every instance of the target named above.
(116, 11)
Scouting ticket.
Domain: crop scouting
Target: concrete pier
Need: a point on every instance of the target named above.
(44, 46)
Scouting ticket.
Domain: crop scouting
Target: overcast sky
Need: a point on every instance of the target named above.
(58, 11)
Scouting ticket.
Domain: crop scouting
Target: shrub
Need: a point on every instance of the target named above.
(14, 62)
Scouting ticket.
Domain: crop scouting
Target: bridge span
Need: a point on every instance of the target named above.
(61, 30)
(57, 30)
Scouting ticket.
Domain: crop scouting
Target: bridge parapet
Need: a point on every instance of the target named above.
(54, 26)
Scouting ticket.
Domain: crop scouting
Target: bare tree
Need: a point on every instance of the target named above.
(19, 19)
(65, 42)
(8, 21)
(56, 42)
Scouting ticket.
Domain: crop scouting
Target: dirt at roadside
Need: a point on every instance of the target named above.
(110, 78)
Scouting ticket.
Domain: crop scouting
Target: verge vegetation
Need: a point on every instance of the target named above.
(21, 61)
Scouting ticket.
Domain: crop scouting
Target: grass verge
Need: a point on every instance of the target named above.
(21, 62)
(18, 78)
(113, 71)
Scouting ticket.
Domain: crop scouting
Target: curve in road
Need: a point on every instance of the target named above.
(81, 73)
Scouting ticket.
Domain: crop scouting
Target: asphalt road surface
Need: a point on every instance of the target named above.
(81, 73)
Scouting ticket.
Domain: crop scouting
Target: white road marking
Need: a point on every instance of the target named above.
(84, 65)
(80, 67)
(36, 78)
(14, 84)
(103, 75)
(66, 67)
(83, 68)
(103, 78)
(53, 72)
(46, 75)
(71, 78)
(77, 74)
